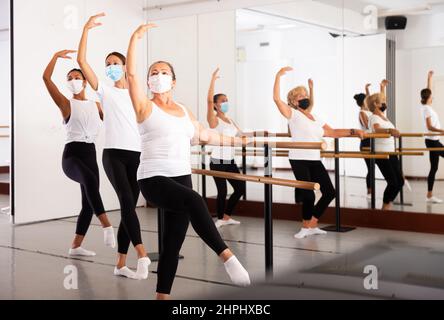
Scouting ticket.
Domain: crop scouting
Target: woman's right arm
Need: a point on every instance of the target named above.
(141, 104)
(430, 80)
(284, 108)
(394, 132)
(90, 75)
(211, 116)
(367, 89)
(60, 100)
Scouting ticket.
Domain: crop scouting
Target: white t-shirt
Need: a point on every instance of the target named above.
(369, 114)
(386, 144)
(121, 131)
(303, 129)
(166, 144)
(229, 130)
(84, 123)
(428, 112)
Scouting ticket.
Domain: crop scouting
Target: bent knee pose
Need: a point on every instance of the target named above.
(82, 120)
(306, 164)
(121, 156)
(167, 129)
(390, 168)
(431, 124)
(223, 158)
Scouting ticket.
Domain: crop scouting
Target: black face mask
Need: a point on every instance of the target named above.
(304, 104)
(383, 107)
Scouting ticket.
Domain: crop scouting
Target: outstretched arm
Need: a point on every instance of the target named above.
(90, 76)
(384, 85)
(60, 100)
(310, 86)
(342, 133)
(142, 105)
(211, 116)
(430, 80)
(284, 108)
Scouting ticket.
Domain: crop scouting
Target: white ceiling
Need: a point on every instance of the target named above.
(250, 21)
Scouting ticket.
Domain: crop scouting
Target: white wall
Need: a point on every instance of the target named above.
(42, 191)
(5, 98)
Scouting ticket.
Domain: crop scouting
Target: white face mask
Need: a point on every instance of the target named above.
(160, 83)
(75, 86)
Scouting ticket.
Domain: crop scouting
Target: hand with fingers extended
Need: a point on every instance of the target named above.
(384, 83)
(284, 70)
(92, 21)
(367, 86)
(64, 54)
(141, 30)
(431, 73)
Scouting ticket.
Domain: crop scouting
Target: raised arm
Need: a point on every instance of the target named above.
(60, 100)
(211, 116)
(284, 108)
(430, 80)
(90, 75)
(384, 85)
(367, 89)
(142, 105)
(310, 86)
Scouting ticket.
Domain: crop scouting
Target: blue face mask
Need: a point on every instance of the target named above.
(114, 72)
(224, 107)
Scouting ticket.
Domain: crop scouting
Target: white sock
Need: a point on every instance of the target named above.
(317, 231)
(125, 272)
(142, 268)
(305, 232)
(238, 275)
(81, 252)
(108, 237)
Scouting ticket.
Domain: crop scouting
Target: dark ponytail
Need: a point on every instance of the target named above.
(425, 95)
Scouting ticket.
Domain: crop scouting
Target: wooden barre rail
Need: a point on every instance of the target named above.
(264, 180)
(420, 149)
(421, 135)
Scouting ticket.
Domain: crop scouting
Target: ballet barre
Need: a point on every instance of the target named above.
(268, 201)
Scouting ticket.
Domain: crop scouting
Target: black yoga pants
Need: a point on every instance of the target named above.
(79, 163)
(391, 170)
(221, 184)
(313, 171)
(181, 205)
(434, 161)
(121, 168)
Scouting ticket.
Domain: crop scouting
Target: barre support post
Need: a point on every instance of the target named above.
(268, 217)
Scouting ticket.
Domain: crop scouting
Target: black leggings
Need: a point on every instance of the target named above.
(80, 164)
(221, 184)
(391, 171)
(366, 144)
(313, 171)
(121, 168)
(182, 205)
(434, 161)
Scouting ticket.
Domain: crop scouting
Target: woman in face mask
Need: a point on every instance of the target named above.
(223, 158)
(431, 124)
(389, 168)
(168, 129)
(82, 120)
(121, 156)
(306, 164)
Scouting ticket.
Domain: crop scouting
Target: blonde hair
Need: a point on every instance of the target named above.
(372, 100)
(294, 93)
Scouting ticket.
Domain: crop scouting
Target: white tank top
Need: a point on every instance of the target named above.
(369, 114)
(166, 145)
(229, 130)
(84, 123)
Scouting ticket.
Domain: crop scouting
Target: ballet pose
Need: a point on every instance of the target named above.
(307, 164)
(390, 168)
(168, 129)
(121, 156)
(223, 158)
(431, 124)
(82, 120)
